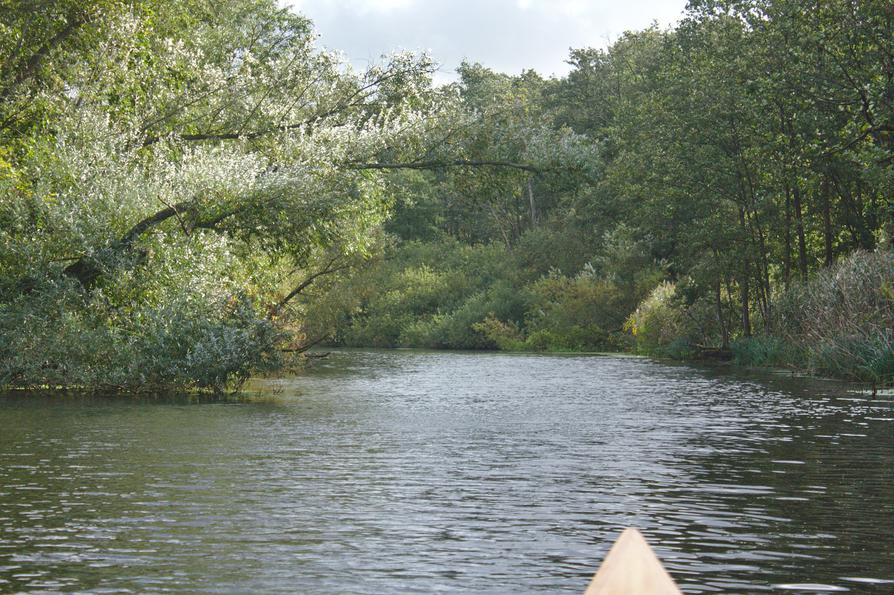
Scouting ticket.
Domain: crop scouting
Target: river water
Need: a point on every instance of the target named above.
(396, 471)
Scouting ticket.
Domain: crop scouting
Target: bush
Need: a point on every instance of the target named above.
(576, 313)
(60, 336)
(505, 335)
(448, 295)
(434, 295)
(542, 250)
(657, 325)
(867, 359)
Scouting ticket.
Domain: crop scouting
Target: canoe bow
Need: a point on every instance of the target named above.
(632, 568)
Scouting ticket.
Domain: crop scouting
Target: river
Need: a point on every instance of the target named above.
(410, 471)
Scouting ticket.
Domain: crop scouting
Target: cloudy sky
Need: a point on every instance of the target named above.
(506, 35)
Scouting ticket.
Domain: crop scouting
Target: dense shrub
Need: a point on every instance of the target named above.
(543, 249)
(585, 312)
(57, 336)
(843, 319)
(446, 294)
(431, 295)
(657, 325)
(505, 335)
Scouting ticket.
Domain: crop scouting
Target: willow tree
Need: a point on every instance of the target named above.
(192, 167)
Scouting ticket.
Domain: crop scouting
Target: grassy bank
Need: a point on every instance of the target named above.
(839, 324)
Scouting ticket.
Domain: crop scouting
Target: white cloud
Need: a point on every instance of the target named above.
(381, 6)
(506, 35)
(351, 6)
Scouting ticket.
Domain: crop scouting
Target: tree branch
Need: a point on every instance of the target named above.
(326, 270)
(441, 164)
(353, 100)
(25, 72)
(305, 347)
(86, 270)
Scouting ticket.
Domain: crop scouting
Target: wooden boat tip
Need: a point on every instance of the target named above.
(632, 568)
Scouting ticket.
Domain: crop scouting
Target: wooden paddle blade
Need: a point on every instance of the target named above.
(632, 568)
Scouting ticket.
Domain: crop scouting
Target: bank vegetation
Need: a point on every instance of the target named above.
(194, 192)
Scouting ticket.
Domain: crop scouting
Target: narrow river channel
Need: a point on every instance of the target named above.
(408, 471)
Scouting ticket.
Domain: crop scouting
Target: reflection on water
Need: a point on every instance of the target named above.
(423, 472)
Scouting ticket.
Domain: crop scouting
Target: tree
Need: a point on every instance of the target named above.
(181, 148)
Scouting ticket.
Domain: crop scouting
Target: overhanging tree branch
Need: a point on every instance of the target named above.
(355, 99)
(86, 269)
(330, 268)
(31, 66)
(441, 164)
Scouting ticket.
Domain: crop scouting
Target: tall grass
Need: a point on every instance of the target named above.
(765, 351)
(842, 321)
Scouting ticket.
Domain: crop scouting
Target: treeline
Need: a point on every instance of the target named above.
(740, 156)
(192, 192)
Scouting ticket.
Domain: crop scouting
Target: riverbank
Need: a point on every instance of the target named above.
(838, 324)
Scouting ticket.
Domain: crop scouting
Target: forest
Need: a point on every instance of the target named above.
(194, 192)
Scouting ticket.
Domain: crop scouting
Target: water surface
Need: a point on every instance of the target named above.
(429, 472)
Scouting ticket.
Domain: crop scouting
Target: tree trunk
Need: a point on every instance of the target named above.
(799, 225)
(745, 282)
(787, 234)
(857, 223)
(724, 331)
(730, 313)
(88, 269)
(533, 205)
(764, 295)
(827, 221)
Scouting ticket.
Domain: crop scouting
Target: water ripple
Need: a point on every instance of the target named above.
(429, 472)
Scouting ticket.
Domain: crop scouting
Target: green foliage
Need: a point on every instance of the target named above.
(658, 324)
(838, 324)
(450, 295)
(763, 351)
(730, 160)
(189, 187)
(582, 313)
(866, 359)
(505, 335)
(430, 295)
(545, 249)
(842, 320)
(161, 161)
(72, 342)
